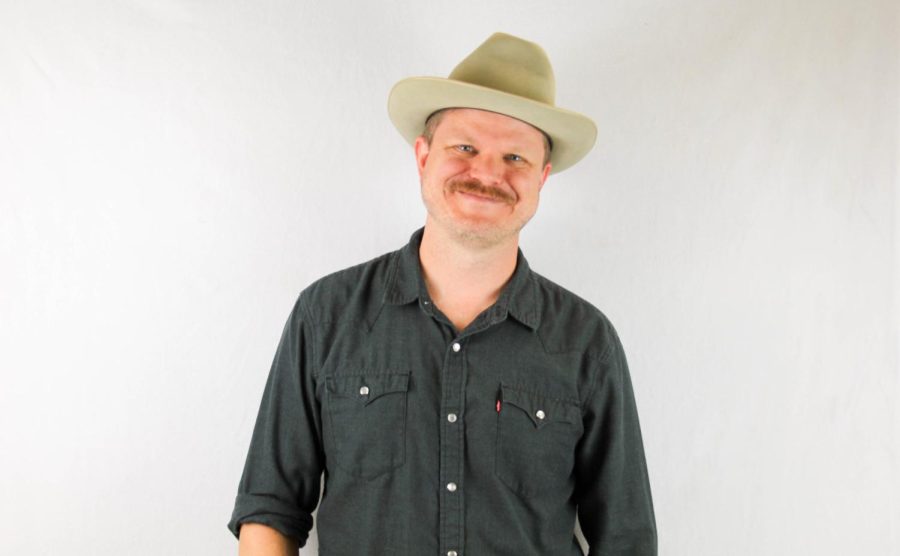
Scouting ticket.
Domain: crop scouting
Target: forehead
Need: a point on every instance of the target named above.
(488, 125)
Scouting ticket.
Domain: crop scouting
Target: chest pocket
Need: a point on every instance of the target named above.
(536, 439)
(367, 412)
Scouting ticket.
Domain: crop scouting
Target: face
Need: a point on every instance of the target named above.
(482, 175)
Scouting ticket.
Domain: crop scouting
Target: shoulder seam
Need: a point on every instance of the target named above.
(304, 314)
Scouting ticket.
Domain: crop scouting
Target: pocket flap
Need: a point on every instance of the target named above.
(368, 387)
(540, 409)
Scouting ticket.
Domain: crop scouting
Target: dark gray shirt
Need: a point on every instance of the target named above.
(439, 442)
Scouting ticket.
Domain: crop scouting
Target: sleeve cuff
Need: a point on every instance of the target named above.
(268, 510)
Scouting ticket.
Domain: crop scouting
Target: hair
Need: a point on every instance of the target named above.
(432, 121)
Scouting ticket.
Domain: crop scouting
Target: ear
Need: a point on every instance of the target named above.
(544, 175)
(421, 149)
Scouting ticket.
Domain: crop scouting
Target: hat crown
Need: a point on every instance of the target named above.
(512, 65)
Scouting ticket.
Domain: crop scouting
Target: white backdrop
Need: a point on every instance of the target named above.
(172, 174)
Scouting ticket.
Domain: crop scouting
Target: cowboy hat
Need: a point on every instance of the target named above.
(507, 75)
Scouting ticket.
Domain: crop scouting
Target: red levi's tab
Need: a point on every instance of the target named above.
(498, 406)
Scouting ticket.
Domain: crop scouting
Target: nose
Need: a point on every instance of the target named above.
(487, 168)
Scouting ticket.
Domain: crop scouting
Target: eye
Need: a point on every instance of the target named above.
(465, 148)
(515, 158)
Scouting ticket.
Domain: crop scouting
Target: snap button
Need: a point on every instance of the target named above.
(364, 391)
(451, 553)
(540, 414)
(451, 487)
(451, 417)
(456, 346)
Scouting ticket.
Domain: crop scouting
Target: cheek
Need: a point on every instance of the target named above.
(528, 189)
(443, 168)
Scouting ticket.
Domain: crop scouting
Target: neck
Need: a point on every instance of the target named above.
(463, 280)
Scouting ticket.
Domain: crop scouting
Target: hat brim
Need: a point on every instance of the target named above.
(413, 99)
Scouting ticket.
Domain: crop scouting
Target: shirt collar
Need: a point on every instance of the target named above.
(519, 297)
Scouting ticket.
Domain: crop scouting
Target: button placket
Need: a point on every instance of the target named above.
(452, 446)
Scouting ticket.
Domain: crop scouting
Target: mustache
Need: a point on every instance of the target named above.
(476, 187)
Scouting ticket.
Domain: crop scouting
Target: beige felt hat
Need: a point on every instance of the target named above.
(507, 75)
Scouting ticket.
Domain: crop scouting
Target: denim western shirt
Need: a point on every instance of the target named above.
(436, 442)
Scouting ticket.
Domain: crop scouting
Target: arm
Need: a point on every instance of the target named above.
(259, 540)
(280, 484)
(615, 507)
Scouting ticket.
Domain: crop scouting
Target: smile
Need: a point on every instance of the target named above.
(478, 197)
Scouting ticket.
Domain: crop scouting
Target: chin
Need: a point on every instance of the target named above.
(483, 236)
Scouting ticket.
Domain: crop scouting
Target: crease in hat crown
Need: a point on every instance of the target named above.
(507, 75)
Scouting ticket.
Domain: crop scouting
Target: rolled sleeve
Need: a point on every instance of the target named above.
(280, 483)
(615, 507)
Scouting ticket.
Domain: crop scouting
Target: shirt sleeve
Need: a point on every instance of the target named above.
(280, 484)
(615, 508)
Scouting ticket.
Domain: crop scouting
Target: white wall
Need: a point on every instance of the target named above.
(173, 173)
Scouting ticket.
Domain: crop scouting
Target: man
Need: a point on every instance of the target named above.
(457, 402)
